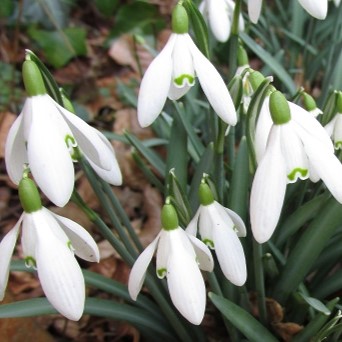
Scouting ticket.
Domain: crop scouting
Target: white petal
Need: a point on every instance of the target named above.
(59, 274)
(183, 73)
(113, 175)
(88, 139)
(213, 86)
(186, 285)
(306, 124)
(262, 129)
(219, 20)
(254, 10)
(15, 150)
(6, 250)
(83, 243)
(155, 85)
(205, 225)
(163, 253)
(337, 136)
(192, 226)
(268, 189)
(316, 8)
(48, 155)
(229, 253)
(176, 93)
(138, 272)
(329, 127)
(203, 254)
(297, 165)
(327, 166)
(239, 225)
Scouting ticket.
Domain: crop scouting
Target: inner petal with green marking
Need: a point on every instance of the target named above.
(297, 173)
(338, 145)
(184, 79)
(30, 262)
(161, 272)
(209, 243)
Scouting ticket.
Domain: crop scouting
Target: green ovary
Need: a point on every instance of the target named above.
(292, 176)
(180, 80)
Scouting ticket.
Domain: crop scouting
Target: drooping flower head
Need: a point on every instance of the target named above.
(220, 229)
(316, 8)
(48, 138)
(180, 257)
(297, 148)
(219, 14)
(173, 72)
(49, 242)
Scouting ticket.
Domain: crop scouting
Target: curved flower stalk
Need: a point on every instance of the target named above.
(49, 242)
(48, 138)
(173, 72)
(220, 228)
(180, 257)
(219, 15)
(316, 8)
(297, 148)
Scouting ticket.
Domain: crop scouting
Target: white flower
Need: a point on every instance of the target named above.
(219, 14)
(337, 2)
(299, 148)
(45, 136)
(334, 129)
(179, 257)
(172, 73)
(254, 10)
(316, 8)
(220, 228)
(49, 242)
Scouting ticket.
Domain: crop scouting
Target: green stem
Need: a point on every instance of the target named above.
(103, 198)
(122, 214)
(259, 281)
(234, 38)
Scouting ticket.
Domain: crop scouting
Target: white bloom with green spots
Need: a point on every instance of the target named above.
(45, 136)
(49, 242)
(173, 72)
(296, 148)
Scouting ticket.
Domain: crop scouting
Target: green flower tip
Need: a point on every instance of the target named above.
(32, 78)
(66, 101)
(309, 102)
(205, 194)
(242, 56)
(180, 20)
(169, 217)
(339, 102)
(29, 196)
(279, 108)
(256, 78)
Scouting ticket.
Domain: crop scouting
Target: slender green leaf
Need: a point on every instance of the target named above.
(148, 153)
(268, 59)
(316, 304)
(242, 320)
(303, 255)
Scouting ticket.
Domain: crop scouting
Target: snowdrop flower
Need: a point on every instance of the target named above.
(316, 8)
(254, 10)
(179, 257)
(334, 127)
(219, 14)
(220, 228)
(337, 2)
(49, 242)
(48, 138)
(297, 147)
(172, 73)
